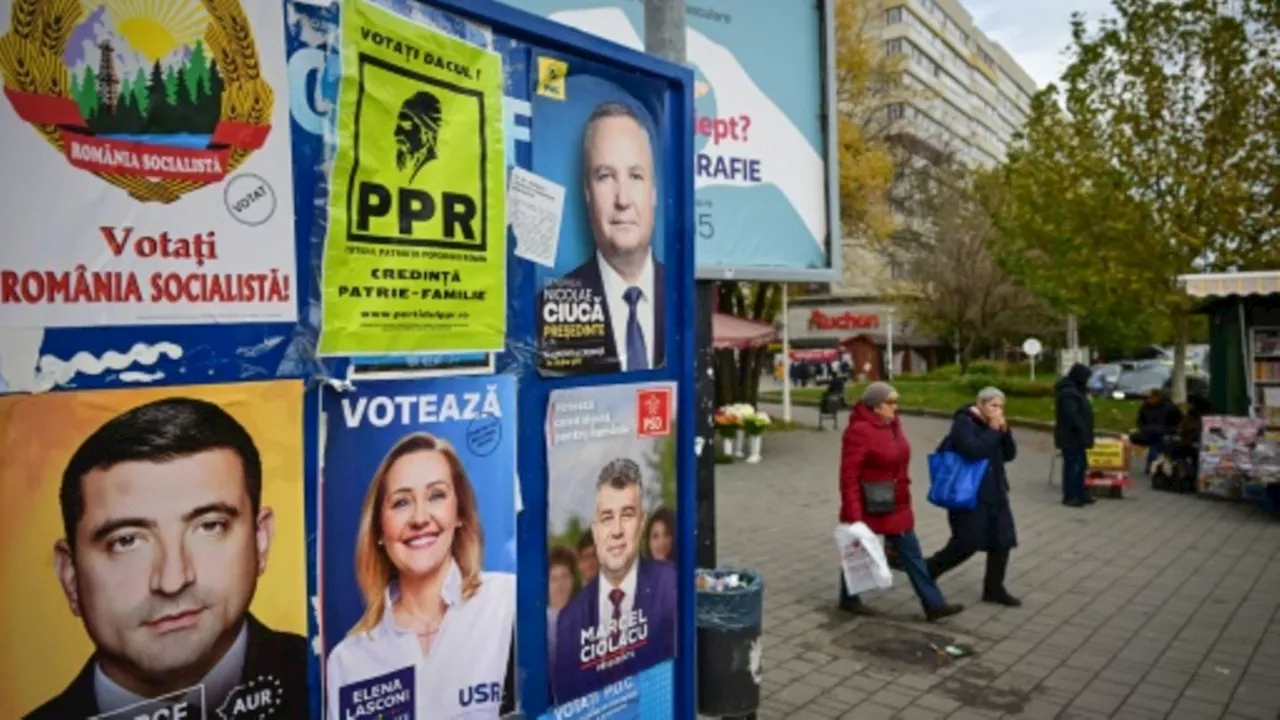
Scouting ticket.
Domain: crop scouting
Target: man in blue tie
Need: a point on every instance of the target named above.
(621, 194)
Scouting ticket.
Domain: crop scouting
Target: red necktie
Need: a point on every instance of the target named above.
(615, 597)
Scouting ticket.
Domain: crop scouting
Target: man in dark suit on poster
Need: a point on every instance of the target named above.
(621, 195)
(165, 538)
(622, 622)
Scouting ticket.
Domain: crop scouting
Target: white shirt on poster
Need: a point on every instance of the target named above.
(463, 675)
(628, 588)
(615, 290)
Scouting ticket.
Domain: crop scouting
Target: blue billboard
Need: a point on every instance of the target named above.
(765, 203)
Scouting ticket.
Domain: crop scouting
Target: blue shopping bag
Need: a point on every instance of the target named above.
(954, 481)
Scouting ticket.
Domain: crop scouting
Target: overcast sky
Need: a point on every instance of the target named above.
(1034, 31)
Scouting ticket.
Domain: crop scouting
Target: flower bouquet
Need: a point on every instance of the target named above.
(729, 421)
(754, 426)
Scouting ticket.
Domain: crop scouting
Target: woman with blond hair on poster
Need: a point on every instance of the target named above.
(436, 635)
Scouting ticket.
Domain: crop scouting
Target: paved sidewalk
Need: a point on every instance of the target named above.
(1154, 606)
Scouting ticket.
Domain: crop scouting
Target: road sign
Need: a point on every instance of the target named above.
(1032, 347)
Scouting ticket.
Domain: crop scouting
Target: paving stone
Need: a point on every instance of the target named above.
(1126, 614)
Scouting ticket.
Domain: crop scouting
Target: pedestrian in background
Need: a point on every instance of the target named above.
(1073, 433)
(875, 454)
(980, 432)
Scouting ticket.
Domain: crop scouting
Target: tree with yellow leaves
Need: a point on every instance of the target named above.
(865, 79)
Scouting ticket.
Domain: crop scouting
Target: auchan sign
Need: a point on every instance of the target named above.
(847, 320)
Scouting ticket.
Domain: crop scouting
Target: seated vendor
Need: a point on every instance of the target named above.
(1158, 418)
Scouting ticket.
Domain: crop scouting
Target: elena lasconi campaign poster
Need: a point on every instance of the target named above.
(600, 249)
(418, 550)
(151, 162)
(611, 619)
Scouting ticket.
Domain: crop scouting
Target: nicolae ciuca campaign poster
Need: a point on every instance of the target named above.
(153, 554)
(151, 140)
(415, 250)
(596, 167)
(418, 549)
(611, 605)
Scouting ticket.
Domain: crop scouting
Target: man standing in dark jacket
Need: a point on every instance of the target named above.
(1073, 433)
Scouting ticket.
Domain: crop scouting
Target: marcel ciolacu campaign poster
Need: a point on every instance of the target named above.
(150, 162)
(611, 586)
(415, 253)
(418, 553)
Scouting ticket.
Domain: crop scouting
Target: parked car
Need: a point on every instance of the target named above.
(1137, 379)
(1104, 377)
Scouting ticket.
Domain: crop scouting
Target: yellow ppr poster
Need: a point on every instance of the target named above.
(415, 253)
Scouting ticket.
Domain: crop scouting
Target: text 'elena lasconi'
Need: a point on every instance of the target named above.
(382, 411)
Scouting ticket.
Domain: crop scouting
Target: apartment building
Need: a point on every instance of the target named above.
(972, 95)
(969, 98)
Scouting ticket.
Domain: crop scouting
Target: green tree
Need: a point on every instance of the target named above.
(157, 104)
(86, 95)
(209, 110)
(953, 286)
(171, 86)
(141, 97)
(196, 72)
(1157, 157)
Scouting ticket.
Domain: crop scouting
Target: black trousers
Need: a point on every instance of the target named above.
(953, 555)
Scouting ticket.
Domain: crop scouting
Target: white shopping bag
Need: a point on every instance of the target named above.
(862, 559)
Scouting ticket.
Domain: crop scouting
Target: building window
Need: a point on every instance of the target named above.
(895, 111)
(893, 47)
(893, 16)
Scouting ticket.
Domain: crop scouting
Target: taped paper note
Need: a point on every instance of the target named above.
(536, 205)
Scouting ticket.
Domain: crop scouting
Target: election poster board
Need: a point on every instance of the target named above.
(419, 547)
(611, 465)
(151, 174)
(415, 250)
(157, 539)
(601, 276)
(765, 164)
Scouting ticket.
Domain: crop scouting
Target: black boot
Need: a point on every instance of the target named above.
(993, 584)
(944, 611)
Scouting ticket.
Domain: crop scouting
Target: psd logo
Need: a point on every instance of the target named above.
(386, 697)
(157, 98)
(654, 409)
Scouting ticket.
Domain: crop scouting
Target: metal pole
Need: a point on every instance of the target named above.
(786, 359)
(665, 36)
(890, 344)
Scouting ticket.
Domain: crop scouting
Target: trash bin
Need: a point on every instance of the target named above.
(730, 612)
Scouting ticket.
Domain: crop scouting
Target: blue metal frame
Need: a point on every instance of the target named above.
(677, 154)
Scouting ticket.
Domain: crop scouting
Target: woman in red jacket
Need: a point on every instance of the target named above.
(875, 489)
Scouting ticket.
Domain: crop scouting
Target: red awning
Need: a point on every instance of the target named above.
(815, 355)
(732, 332)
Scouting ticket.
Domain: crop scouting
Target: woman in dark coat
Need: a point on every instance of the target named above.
(875, 450)
(980, 432)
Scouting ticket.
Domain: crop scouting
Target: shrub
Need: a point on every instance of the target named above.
(944, 372)
(1013, 387)
(985, 368)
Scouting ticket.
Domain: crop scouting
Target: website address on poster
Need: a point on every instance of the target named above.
(458, 319)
